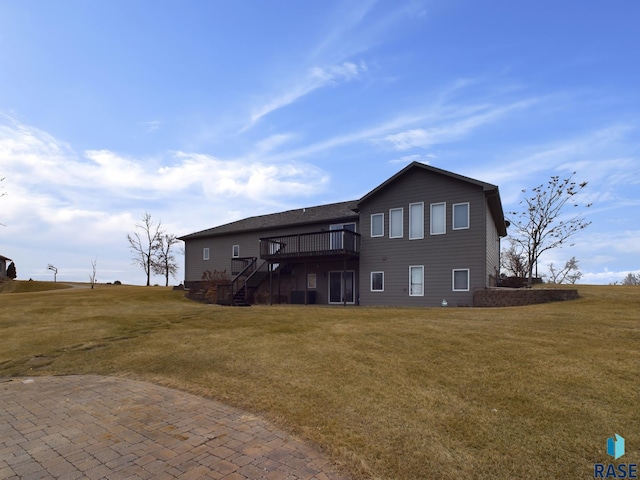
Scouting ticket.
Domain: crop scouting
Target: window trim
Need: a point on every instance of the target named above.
(371, 282)
(422, 220)
(205, 253)
(453, 216)
(382, 224)
(312, 281)
(411, 294)
(235, 251)
(444, 216)
(401, 210)
(453, 280)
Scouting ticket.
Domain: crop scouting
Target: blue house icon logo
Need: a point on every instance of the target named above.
(615, 446)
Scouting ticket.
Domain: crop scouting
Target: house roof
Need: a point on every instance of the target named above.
(336, 212)
(429, 168)
(301, 216)
(4, 259)
(491, 191)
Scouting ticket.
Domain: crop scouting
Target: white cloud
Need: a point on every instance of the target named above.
(466, 120)
(272, 142)
(65, 206)
(405, 160)
(34, 158)
(152, 125)
(605, 276)
(315, 78)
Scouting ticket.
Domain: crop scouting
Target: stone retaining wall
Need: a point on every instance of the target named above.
(510, 297)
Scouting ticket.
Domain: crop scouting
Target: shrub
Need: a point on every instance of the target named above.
(11, 271)
(208, 286)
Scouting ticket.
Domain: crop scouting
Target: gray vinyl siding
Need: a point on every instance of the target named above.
(220, 256)
(439, 254)
(322, 278)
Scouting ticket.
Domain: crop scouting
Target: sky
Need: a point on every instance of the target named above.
(202, 112)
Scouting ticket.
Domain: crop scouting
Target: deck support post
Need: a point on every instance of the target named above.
(344, 282)
(270, 283)
(306, 284)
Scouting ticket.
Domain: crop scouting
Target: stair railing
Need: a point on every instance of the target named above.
(242, 276)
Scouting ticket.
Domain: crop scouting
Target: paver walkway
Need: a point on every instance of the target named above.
(93, 427)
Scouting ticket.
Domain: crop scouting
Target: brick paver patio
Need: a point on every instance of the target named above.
(93, 427)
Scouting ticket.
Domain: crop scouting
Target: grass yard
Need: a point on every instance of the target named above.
(388, 393)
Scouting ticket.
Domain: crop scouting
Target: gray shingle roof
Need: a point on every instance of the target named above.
(335, 212)
(300, 216)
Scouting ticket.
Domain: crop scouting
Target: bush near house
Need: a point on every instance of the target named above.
(207, 289)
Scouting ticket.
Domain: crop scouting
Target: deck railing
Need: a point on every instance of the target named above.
(337, 243)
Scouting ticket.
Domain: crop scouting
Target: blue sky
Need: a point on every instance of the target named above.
(204, 112)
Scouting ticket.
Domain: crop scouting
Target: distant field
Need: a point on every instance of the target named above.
(21, 286)
(388, 393)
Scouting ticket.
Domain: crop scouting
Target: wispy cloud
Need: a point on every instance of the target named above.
(338, 42)
(152, 125)
(452, 130)
(315, 78)
(47, 174)
(599, 156)
(406, 159)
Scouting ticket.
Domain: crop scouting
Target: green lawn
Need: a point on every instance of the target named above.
(527, 392)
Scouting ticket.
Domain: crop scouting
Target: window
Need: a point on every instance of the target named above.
(395, 223)
(377, 225)
(235, 251)
(460, 216)
(416, 220)
(377, 281)
(205, 253)
(461, 280)
(438, 226)
(311, 280)
(416, 281)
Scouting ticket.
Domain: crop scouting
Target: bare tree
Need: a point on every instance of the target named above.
(631, 279)
(570, 273)
(92, 277)
(543, 224)
(165, 263)
(513, 261)
(144, 243)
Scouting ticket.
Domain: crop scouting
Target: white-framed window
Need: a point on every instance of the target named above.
(396, 222)
(235, 251)
(205, 253)
(460, 279)
(416, 220)
(377, 281)
(377, 225)
(311, 280)
(438, 218)
(416, 281)
(460, 216)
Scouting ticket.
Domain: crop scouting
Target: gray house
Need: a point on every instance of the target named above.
(423, 236)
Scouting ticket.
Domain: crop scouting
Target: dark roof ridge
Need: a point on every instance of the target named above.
(296, 216)
(486, 186)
